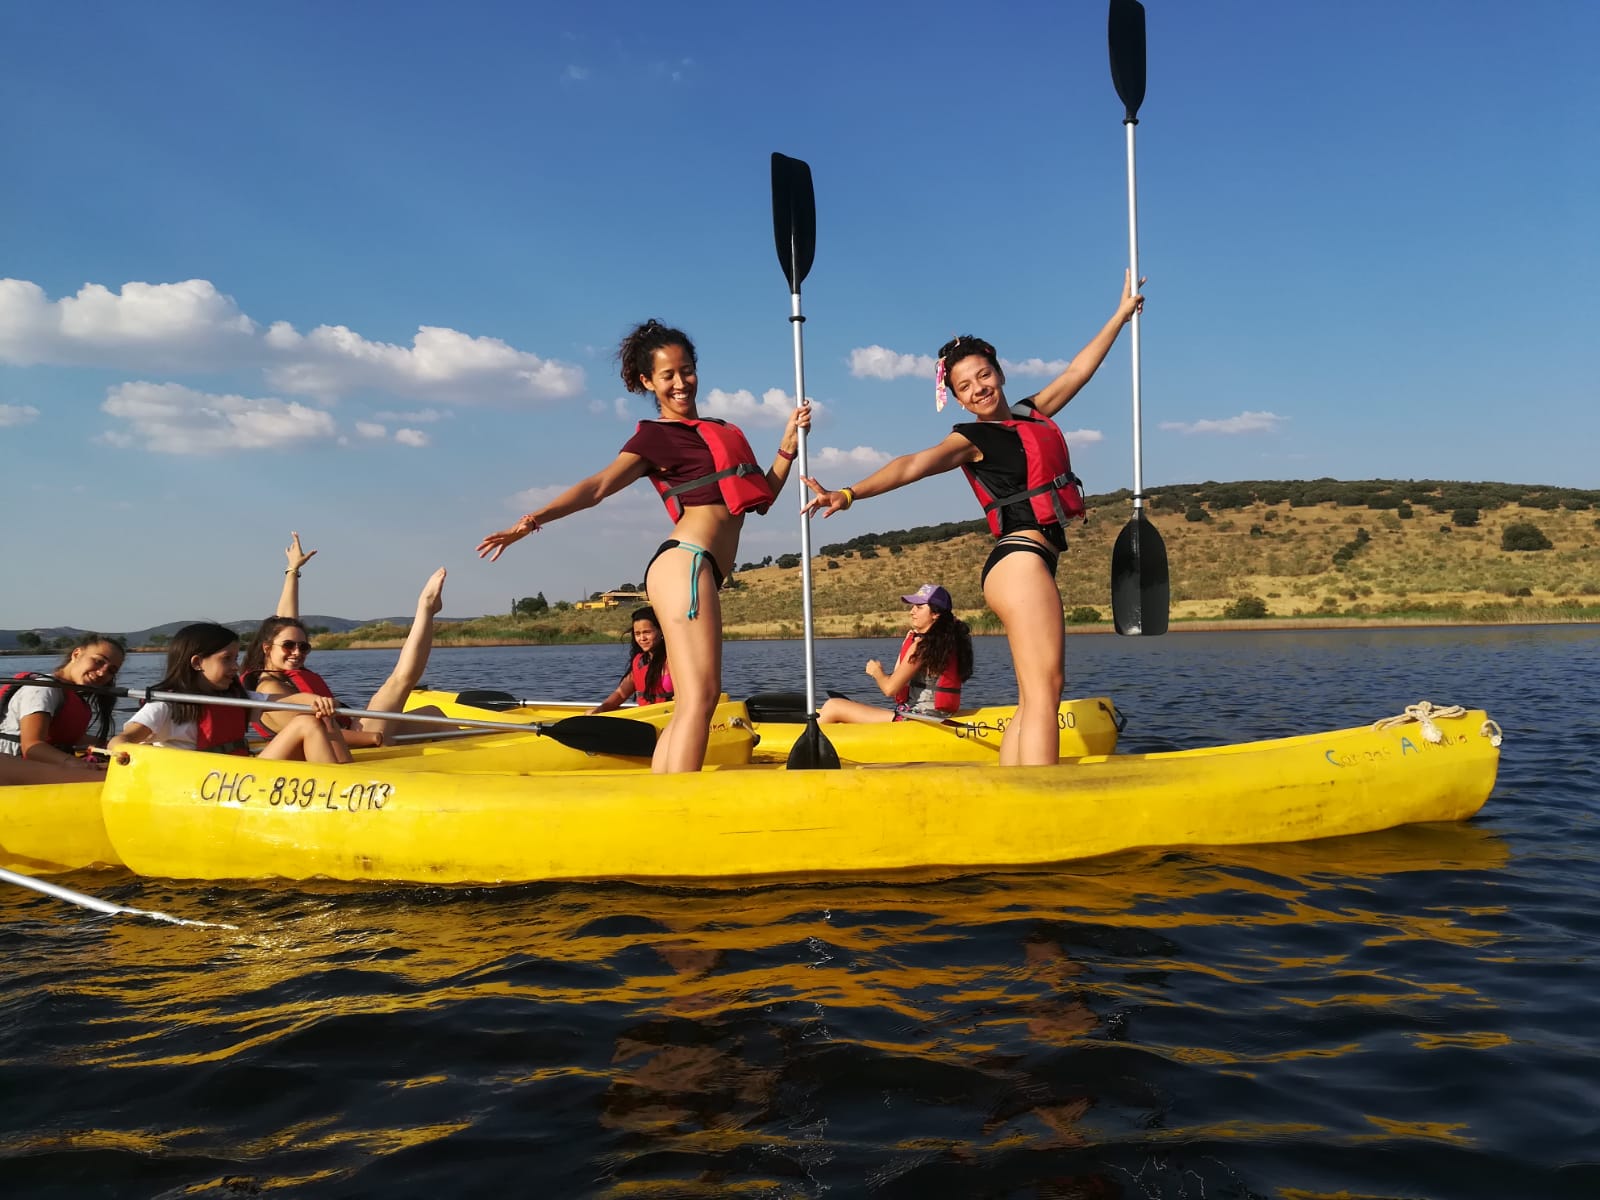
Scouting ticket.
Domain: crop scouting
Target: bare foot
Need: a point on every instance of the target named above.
(432, 598)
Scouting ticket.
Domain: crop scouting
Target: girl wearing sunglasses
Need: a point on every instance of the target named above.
(275, 663)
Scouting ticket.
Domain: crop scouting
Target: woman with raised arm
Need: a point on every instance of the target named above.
(708, 479)
(1017, 463)
(275, 663)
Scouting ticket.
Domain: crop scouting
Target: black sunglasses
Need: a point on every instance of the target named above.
(303, 647)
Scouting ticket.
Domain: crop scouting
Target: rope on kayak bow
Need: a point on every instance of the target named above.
(1425, 714)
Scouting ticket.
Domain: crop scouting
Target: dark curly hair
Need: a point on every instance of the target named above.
(966, 346)
(946, 636)
(638, 350)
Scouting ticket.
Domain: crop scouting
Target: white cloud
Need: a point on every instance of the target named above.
(858, 458)
(411, 437)
(17, 414)
(742, 407)
(190, 326)
(440, 363)
(371, 429)
(171, 419)
(879, 362)
(1082, 437)
(1245, 422)
(1034, 366)
(575, 73)
(421, 416)
(186, 325)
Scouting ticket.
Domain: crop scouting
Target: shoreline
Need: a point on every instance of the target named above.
(1265, 624)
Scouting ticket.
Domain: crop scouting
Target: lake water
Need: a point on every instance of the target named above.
(1406, 1014)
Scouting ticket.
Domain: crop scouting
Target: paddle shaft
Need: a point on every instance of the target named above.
(1129, 123)
(94, 903)
(145, 695)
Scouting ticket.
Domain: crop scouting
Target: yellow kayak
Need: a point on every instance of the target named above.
(178, 814)
(1088, 726)
(51, 827)
(731, 741)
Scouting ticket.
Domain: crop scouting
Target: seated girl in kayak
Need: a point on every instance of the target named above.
(935, 660)
(275, 663)
(203, 660)
(647, 677)
(50, 724)
(709, 479)
(1016, 461)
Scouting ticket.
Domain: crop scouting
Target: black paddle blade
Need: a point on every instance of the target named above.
(617, 736)
(794, 217)
(483, 698)
(812, 751)
(1141, 593)
(1125, 32)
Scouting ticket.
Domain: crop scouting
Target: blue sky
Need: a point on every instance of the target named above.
(360, 270)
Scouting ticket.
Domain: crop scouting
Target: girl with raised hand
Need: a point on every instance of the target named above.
(935, 660)
(48, 723)
(275, 663)
(647, 676)
(1017, 463)
(203, 660)
(708, 479)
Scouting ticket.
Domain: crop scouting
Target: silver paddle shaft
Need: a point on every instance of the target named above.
(796, 320)
(1133, 283)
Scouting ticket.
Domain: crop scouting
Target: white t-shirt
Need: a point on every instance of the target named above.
(26, 701)
(156, 716)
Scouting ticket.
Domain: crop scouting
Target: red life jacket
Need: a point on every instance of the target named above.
(222, 729)
(742, 483)
(1052, 490)
(946, 688)
(305, 682)
(68, 723)
(641, 668)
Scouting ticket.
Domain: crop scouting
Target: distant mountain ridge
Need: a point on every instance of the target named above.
(141, 637)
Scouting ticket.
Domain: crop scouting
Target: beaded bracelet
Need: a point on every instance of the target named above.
(786, 455)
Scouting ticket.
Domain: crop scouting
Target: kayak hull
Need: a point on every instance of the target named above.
(177, 814)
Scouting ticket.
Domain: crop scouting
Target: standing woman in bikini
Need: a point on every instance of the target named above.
(708, 478)
(1016, 461)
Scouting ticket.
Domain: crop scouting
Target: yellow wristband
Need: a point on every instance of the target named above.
(849, 496)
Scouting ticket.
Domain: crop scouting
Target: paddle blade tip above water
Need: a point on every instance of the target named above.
(1125, 34)
(1141, 589)
(794, 217)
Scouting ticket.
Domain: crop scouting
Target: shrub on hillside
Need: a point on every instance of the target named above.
(788, 561)
(1083, 614)
(1524, 535)
(1195, 513)
(1246, 608)
(1464, 517)
(1404, 512)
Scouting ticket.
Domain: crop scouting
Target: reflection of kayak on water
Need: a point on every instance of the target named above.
(177, 814)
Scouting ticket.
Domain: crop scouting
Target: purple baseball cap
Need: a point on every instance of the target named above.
(930, 594)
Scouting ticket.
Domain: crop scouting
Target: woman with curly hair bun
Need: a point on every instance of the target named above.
(1017, 463)
(708, 478)
(935, 660)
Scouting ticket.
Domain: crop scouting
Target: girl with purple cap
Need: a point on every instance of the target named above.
(1017, 463)
(935, 660)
